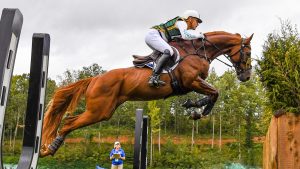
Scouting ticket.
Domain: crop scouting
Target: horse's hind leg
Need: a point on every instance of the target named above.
(97, 110)
(101, 110)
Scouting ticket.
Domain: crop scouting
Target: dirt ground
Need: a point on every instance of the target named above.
(176, 140)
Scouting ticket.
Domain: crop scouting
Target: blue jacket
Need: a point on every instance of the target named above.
(117, 161)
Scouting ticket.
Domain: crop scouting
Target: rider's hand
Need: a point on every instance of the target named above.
(201, 35)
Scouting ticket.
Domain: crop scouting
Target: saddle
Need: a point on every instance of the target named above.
(150, 60)
(141, 61)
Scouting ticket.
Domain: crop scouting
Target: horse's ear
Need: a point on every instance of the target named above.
(248, 40)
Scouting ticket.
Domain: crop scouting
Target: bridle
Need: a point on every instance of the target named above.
(245, 57)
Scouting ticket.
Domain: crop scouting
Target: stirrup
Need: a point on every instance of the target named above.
(155, 82)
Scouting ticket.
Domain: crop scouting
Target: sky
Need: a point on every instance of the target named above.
(109, 32)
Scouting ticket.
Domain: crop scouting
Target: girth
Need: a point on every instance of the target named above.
(176, 86)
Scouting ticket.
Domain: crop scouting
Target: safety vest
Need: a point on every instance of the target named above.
(169, 29)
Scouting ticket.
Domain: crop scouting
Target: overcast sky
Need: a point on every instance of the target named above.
(108, 32)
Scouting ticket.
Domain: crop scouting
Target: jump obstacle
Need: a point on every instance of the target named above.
(10, 29)
(140, 143)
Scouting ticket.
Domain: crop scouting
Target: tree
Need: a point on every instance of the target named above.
(154, 125)
(279, 68)
(15, 115)
(212, 79)
(251, 97)
(71, 76)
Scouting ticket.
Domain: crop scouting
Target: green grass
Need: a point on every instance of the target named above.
(86, 155)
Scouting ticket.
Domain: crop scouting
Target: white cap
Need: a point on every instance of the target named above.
(191, 13)
(116, 143)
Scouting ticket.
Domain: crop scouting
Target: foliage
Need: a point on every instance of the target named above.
(279, 68)
(17, 101)
(154, 116)
(71, 76)
(176, 156)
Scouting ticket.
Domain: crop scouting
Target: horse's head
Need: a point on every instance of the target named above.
(233, 46)
(240, 57)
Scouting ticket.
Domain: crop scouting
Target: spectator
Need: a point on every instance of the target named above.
(117, 155)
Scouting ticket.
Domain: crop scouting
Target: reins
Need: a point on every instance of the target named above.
(200, 55)
(215, 46)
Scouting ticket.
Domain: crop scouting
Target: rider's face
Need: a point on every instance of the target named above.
(117, 146)
(193, 23)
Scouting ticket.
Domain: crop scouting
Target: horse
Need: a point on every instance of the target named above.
(105, 92)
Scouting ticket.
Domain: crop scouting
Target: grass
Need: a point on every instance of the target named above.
(86, 154)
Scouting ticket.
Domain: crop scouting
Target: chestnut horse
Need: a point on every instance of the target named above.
(104, 93)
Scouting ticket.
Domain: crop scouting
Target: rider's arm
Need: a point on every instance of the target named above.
(187, 34)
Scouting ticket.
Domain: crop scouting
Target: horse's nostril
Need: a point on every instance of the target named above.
(248, 78)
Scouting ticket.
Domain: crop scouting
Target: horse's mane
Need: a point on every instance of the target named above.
(221, 33)
(212, 36)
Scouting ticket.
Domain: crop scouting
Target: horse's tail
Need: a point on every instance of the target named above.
(64, 100)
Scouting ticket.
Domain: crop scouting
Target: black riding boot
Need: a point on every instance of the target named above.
(154, 79)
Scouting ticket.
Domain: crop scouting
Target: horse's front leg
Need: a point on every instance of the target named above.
(202, 87)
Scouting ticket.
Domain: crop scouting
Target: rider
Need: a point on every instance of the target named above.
(159, 36)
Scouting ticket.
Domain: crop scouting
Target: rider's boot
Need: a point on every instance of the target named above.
(154, 80)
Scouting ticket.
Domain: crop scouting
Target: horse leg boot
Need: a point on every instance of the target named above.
(209, 105)
(206, 111)
(58, 141)
(202, 102)
(70, 124)
(154, 80)
(189, 103)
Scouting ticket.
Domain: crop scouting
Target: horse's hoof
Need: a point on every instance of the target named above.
(45, 151)
(187, 104)
(195, 116)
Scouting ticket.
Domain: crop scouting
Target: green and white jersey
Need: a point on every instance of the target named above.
(177, 27)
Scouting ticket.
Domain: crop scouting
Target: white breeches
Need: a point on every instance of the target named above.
(156, 42)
